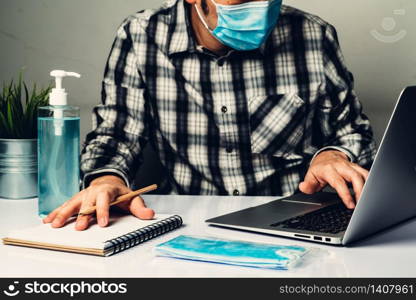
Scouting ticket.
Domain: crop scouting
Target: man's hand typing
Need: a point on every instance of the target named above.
(333, 167)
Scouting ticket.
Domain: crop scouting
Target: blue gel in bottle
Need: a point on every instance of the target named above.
(58, 157)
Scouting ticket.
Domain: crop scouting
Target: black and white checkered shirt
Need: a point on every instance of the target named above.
(245, 123)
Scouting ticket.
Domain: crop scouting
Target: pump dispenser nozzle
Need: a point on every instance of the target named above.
(58, 95)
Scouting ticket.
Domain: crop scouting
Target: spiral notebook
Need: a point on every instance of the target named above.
(123, 232)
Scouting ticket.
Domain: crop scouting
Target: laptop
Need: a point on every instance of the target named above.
(388, 196)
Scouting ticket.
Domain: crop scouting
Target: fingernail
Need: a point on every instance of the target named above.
(81, 224)
(102, 221)
(57, 222)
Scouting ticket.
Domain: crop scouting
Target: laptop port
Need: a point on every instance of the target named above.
(318, 238)
(302, 236)
(327, 239)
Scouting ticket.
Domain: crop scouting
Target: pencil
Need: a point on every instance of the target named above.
(122, 198)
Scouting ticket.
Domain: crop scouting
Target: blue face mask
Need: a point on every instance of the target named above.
(244, 26)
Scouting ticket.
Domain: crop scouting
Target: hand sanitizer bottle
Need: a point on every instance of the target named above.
(58, 148)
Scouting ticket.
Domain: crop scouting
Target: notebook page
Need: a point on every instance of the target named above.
(94, 237)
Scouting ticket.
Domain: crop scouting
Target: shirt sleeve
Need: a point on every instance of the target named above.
(343, 124)
(119, 134)
(343, 150)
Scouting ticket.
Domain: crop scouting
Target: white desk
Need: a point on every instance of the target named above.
(390, 254)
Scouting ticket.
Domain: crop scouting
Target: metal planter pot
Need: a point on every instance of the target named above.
(18, 168)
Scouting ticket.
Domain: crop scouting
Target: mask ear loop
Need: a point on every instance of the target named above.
(202, 19)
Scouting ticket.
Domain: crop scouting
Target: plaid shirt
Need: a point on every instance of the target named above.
(245, 123)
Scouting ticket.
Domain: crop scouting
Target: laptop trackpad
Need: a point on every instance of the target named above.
(279, 211)
(264, 215)
(275, 211)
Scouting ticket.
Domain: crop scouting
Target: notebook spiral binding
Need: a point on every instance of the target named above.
(139, 236)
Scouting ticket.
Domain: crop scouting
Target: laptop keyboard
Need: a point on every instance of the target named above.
(331, 219)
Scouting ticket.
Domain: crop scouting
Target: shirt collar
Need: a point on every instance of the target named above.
(182, 37)
(266, 46)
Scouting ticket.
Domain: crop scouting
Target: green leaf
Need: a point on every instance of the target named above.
(5, 133)
(26, 94)
(10, 117)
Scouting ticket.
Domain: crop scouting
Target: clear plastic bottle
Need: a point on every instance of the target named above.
(58, 149)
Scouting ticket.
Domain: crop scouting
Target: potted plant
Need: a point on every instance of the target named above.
(18, 138)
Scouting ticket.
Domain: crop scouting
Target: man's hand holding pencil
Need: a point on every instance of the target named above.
(96, 199)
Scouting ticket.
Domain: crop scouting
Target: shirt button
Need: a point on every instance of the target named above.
(229, 149)
(224, 109)
(236, 192)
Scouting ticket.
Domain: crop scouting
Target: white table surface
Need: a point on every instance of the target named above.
(389, 254)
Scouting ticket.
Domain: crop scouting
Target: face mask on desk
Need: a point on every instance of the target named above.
(244, 26)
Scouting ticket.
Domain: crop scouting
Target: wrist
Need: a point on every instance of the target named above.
(334, 154)
(113, 179)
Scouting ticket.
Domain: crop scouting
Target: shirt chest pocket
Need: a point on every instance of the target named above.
(276, 123)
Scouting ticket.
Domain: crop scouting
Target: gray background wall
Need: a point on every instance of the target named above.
(76, 35)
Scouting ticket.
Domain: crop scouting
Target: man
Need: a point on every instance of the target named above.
(237, 97)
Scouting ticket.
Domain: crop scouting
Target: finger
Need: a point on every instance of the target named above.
(49, 218)
(65, 213)
(311, 184)
(361, 170)
(138, 208)
(356, 179)
(125, 205)
(339, 184)
(103, 206)
(84, 220)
